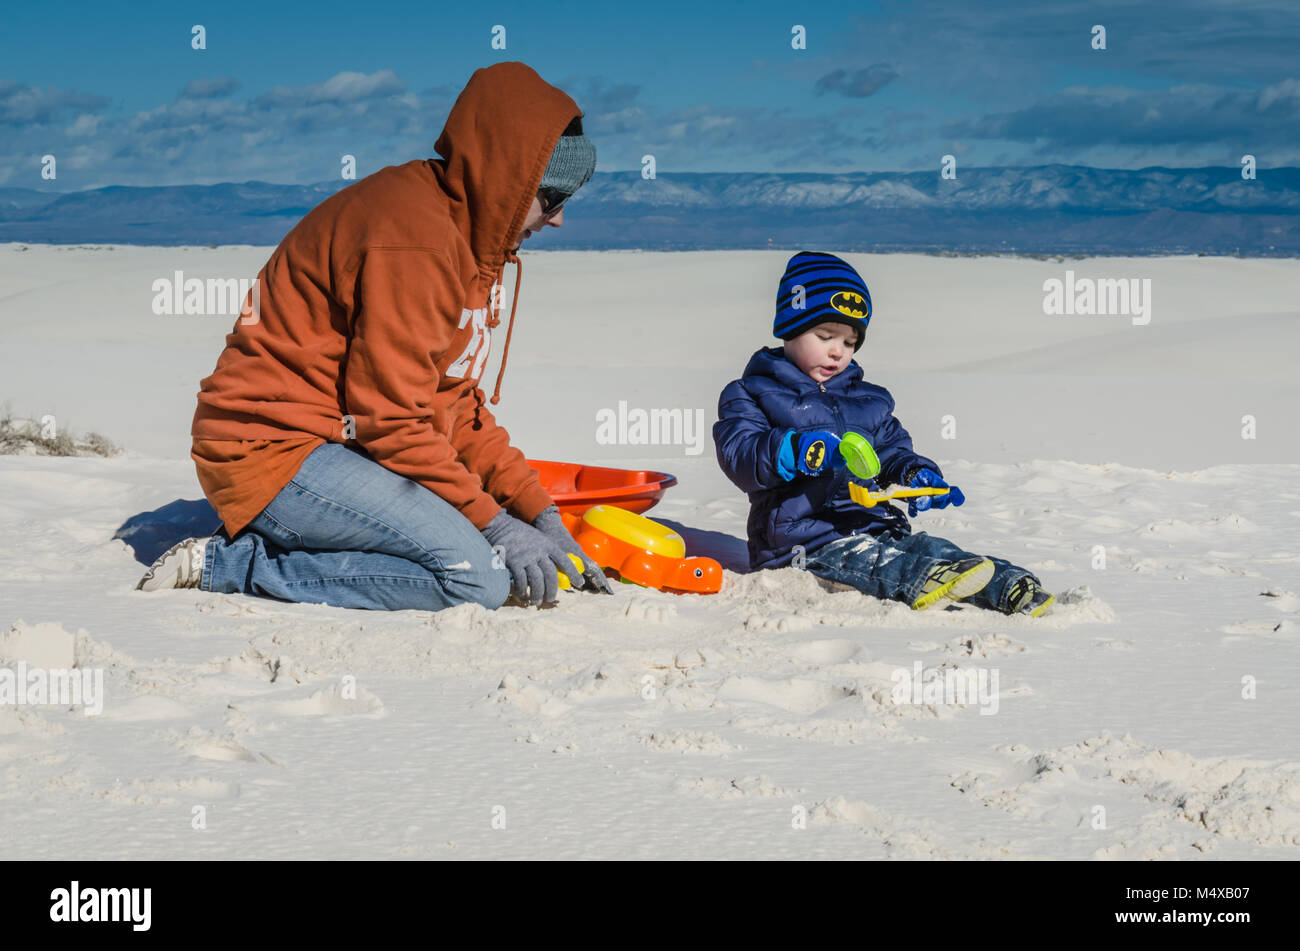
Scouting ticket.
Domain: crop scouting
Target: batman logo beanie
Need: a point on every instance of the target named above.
(816, 288)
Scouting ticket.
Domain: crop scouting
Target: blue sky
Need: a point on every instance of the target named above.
(116, 93)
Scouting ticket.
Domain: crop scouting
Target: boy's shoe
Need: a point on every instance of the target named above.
(1040, 604)
(954, 580)
(180, 566)
(1027, 597)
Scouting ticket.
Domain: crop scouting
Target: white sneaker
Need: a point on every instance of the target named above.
(180, 566)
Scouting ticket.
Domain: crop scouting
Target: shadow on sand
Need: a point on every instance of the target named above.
(149, 534)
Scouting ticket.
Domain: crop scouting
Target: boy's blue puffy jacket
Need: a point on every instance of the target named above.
(775, 396)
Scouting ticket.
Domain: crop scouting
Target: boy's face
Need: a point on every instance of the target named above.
(823, 351)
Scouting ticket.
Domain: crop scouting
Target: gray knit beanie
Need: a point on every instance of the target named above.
(572, 164)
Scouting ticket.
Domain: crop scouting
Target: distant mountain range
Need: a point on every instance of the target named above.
(1049, 209)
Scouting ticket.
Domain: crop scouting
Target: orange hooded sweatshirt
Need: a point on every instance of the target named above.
(378, 306)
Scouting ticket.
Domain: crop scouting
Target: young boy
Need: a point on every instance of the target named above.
(777, 437)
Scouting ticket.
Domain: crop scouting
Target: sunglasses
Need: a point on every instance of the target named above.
(551, 200)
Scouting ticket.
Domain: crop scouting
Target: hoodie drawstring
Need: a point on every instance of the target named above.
(511, 257)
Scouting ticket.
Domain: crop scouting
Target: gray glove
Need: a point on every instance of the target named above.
(531, 557)
(550, 524)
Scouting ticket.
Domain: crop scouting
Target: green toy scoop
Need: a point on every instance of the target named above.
(859, 456)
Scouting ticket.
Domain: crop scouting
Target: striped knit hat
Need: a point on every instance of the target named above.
(818, 287)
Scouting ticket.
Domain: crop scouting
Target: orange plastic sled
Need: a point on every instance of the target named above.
(576, 488)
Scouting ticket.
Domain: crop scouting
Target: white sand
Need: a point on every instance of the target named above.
(650, 725)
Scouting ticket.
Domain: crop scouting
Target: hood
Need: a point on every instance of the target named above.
(493, 151)
(499, 135)
(772, 362)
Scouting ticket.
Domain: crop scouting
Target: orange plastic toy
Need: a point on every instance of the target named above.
(576, 488)
(642, 551)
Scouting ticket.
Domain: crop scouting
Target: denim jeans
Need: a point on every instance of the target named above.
(348, 532)
(894, 567)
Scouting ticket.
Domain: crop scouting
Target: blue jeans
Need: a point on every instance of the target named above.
(348, 532)
(894, 568)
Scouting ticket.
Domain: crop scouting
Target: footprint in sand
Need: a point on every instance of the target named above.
(794, 695)
(825, 653)
(780, 624)
(205, 744)
(1285, 628)
(332, 701)
(646, 609)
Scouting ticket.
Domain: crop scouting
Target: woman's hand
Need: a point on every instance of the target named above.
(550, 524)
(533, 559)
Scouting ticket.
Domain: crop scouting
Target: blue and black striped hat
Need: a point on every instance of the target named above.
(818, 287)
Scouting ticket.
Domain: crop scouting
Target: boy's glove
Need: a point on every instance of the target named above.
(550, 524)
(813, 453)
(927, 478)
(532, 559)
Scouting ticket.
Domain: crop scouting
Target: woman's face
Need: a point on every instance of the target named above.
(536, 221)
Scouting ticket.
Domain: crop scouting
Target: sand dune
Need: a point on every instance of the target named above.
(759, 722)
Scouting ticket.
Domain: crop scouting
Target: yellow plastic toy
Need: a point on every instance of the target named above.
(861, 495)
(636, 530)
(565, 583)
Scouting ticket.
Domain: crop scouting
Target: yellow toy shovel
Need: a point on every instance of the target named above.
(860, 494)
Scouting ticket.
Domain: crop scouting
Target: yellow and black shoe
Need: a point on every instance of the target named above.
(1027, 597)
(954, 580)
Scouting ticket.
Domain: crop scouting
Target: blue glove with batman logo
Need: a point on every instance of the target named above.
(813, 453)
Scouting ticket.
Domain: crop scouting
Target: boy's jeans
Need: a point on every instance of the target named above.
(348, 532)
(893, 567)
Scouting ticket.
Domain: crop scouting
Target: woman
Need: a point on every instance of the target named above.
(343, 438)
